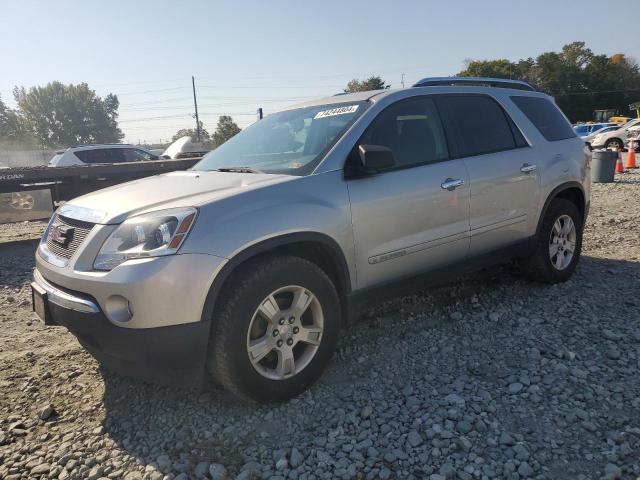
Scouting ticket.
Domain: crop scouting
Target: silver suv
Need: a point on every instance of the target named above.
(245, 268)
(100, 154)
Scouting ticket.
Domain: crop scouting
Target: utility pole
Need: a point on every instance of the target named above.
(195, 104)
(402, 80)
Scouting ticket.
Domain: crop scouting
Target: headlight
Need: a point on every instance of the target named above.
(149, 235)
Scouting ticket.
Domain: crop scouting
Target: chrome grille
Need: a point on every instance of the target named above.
(79, 233)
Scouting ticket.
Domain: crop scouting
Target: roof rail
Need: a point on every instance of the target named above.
(101, 145)
(474, 81)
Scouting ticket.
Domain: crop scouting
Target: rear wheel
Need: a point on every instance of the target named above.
(275, 329)
(615, 143)
(558, 244)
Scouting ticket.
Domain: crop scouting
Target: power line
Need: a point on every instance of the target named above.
(165, 100)
(144, 92)
(182, 115)
(209, 97)
(270, 86)
(217, 104)
(142, 82)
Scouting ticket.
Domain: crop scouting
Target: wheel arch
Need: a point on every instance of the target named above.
(572, 191)
(318, 248)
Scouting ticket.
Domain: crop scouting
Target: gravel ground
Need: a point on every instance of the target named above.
(489, 377)
(11, 232)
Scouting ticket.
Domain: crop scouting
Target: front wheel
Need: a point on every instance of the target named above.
(275, 329)
(558, 244)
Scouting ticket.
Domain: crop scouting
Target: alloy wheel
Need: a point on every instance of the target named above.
(562, 242)
(285, 332)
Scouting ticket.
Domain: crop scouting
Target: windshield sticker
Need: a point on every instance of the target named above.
(336, 111)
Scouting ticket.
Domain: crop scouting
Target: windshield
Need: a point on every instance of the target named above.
(581, 129)
(630, 123)
(291, 142)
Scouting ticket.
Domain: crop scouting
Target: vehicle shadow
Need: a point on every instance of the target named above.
(213, 426)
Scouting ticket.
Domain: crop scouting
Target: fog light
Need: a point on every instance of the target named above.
(118, 309)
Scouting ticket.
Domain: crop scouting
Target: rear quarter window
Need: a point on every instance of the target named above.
(546, 117)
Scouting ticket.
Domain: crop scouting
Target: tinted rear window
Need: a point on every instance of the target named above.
(87, 156)
(94, 156)
(546, 117)
(477, 124)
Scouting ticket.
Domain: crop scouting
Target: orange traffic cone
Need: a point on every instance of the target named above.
(631, 155)
(619, 167)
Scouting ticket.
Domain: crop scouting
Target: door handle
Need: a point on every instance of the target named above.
(526, 168)
(451, 184)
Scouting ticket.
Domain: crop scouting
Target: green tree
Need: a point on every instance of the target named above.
(372, 83)
(61, 115)
(580, 80)
(205, 136)
(501, 68)
(225, 129)
(10, 130)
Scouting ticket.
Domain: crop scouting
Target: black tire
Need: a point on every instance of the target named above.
(539, 266)
(613, 143)
(228, 358)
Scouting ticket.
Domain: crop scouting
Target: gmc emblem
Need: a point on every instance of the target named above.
(61, 234)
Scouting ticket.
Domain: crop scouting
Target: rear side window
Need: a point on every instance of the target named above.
(93, 156)
(116, 155)
(546, 117)
(134, 155)
(517, 135)
(476, 125)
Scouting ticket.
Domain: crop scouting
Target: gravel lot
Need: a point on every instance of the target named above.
(489, 377)
(13, 232)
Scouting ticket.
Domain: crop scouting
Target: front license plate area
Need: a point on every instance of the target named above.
(40, 303)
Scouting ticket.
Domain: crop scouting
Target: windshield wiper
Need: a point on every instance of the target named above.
(237, 170)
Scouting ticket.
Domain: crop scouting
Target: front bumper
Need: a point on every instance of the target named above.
(145, 293)
(172, 355)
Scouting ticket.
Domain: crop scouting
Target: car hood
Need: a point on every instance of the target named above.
(170, 190)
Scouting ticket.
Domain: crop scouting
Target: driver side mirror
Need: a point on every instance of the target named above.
(372, 160)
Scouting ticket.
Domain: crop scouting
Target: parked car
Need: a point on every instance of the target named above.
(246, 268)
(586, 129)
(616, 138)
(589, 138)
(94, 154)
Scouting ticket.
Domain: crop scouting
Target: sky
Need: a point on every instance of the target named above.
(270, 54)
